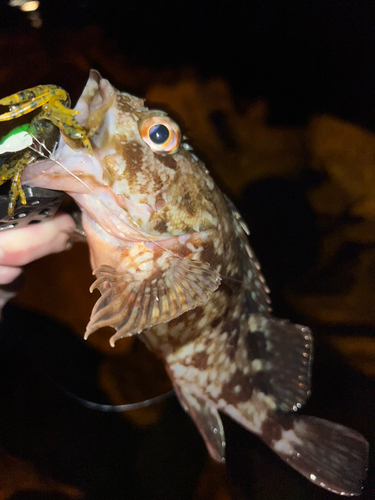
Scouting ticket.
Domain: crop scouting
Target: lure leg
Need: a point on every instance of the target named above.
(23, 109)
(57, 104)
(34, 98)
(14, 169)
(16, 188)
(68, 125)
(34, 92)
(24, 95)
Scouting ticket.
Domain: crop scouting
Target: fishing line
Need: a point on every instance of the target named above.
(144, 236)
(139, 231)
(118, 408)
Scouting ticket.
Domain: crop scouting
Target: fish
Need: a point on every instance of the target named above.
(174, 266)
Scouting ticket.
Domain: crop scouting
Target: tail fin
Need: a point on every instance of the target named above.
(330, 455)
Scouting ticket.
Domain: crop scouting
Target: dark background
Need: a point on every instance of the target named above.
(303, 57)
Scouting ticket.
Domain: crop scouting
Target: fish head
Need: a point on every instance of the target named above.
(140, 161)
(149, 209)
(162, 186)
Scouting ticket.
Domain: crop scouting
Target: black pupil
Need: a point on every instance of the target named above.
(159, 133)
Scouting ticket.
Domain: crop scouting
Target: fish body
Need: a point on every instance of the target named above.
(174, 266)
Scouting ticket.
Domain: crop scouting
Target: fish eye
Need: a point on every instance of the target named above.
(162, 134)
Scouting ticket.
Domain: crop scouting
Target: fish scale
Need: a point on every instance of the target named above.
(174, 266)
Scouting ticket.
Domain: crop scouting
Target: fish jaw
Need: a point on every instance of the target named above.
(61, 168)
(74, 172)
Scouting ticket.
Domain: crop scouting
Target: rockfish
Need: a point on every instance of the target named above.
(174, 266)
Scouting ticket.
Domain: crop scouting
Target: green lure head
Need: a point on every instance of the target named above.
(16, 140)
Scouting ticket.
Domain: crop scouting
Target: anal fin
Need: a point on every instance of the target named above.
(330, 455)
(208, 421)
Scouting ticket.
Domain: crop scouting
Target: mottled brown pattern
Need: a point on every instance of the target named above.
(230, 326)
(213, 362)
(271, 430)
(237, 380)
(286, 420)
(123, 103)
(232, 344)
(188, 205)
(133, 154)
(209, 253)
(198, 312)
(167, 160)
(261, 380)
(199, 360)
(215, 322)
(256, 344)
(160, 226)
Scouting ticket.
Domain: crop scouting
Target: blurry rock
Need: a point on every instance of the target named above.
(338, 295)
(340, 289)
(358, 351)
(20, 476)
(132, 378)
(347, 152)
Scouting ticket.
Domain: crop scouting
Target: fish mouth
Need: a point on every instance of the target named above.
(122, 221)
(79, 175)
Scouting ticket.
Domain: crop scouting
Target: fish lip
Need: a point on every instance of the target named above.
(37, 168)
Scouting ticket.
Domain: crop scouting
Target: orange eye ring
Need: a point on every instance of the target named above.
(162, 134)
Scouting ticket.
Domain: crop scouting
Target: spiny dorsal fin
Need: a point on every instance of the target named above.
(133, 302)
(252, 263)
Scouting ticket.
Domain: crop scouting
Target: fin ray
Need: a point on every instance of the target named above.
(330, 455)
(160, 294)
(208, 421)
(286, 350)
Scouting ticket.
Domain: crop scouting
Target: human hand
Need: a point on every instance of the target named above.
(19, 247)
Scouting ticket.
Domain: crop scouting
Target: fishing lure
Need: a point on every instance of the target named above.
(55, 117)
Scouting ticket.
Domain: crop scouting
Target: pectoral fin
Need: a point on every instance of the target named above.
(133, 302)
(208, 421)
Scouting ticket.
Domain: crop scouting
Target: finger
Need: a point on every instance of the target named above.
(9, 274)
(24, 245)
